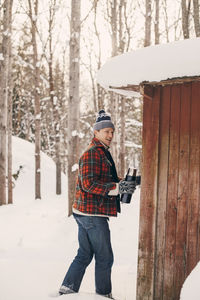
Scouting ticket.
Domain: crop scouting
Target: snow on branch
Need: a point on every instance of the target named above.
(74, 167)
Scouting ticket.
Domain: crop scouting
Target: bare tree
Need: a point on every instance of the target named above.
(99, 95)
(118, 17)
(196, 17)
(4, 69)
(33, 15)
(53, 97)
(185, 4)
(147, 38)
(156, 24)
(114, 98)
(9, 121)
(73, 108)
(122, 139)
(121, 36)
(166, 19)
(121, 114)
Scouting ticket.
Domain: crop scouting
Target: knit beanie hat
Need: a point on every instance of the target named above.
(103, 121)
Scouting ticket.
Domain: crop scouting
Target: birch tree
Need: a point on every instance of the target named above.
(185, 5)
(196, 17)
(114, 97)
(122, 100)
(119, 19)
(4, 69)
(73, 107)
(95, 61)
(9, 121)
(100, 92)
(156, 23)
(33, 15)
(148, 18)
(54, 98)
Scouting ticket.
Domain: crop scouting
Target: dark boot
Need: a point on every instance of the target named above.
(109, 296)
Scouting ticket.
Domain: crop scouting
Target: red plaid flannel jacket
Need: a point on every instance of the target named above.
(94, 182)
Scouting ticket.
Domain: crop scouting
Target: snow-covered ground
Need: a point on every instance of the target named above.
(191, 287)
(39, 241)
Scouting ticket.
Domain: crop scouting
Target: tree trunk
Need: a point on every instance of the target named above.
(54, 101)
(185, 18)
(113, 97)
(10, 184)
(147, 39)
(4, 66)
(165, 10)
(33, 13)
(73, 109)
(156, 25)
(196, 17)
(3, 120)
(98, 101)
(121, 103)
(10, 102)
(58, 176)
(122, 138)
(114, 26)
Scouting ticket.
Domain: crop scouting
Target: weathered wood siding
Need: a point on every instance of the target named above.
(169, 237)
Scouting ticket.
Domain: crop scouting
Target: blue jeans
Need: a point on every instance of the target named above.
(94, 240)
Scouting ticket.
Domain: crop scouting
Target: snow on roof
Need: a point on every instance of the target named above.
(152, 64)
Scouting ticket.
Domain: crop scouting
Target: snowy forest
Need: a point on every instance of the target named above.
(50, 54)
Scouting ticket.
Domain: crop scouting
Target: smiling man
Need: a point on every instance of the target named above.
(105, 135)
(97, 199)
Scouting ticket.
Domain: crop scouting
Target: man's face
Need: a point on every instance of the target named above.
(105, 135)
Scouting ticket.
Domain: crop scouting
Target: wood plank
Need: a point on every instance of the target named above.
(198, 236)
(148, 202)
(162, 191)
(181, 228)
(193, 201)
(171, 81)
(171, 213)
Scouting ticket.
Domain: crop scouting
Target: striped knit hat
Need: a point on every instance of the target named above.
(103, 121)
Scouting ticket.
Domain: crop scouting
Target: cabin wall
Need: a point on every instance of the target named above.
(169, 234)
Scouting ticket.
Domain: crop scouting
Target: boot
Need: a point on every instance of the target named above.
(65, 290)
(109, 296)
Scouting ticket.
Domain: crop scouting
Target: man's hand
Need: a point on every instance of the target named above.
(127, 187)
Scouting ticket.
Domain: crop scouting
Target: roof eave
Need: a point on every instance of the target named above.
(140, 88)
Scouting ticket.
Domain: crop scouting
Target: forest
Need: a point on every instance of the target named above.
(50, 54)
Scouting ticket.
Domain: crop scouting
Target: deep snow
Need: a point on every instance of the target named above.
(39, 241)
(191, 287)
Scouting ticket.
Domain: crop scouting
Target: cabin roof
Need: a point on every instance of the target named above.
(175, 62)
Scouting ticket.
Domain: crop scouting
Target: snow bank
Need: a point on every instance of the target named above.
(153, 63)
(191, 287)
(23, 155)
(39, 241)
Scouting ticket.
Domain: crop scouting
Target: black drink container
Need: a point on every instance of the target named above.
(130, 176)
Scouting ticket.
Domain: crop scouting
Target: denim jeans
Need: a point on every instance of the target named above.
(94, 240)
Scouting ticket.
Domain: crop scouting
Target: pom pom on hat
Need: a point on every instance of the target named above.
(103, 121)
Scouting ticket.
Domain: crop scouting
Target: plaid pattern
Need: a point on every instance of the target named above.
(94, 182)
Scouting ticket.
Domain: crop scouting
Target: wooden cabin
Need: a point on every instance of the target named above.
(169, 229)
(169, 238)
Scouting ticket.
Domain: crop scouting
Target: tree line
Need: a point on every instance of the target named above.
(50, 53)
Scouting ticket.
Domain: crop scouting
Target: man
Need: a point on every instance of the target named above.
(97, 199)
